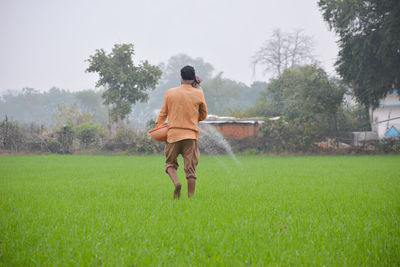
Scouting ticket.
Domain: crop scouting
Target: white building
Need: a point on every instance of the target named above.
(385, 119)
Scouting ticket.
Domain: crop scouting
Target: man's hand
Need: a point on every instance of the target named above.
(197, 82)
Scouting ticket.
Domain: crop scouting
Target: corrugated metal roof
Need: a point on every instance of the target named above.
(230, 122)
(214, 119)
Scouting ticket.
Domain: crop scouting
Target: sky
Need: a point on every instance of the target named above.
(46, 43)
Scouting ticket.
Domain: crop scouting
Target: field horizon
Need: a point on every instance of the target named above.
(261, 210)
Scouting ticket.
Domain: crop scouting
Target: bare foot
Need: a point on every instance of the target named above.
(177, 191)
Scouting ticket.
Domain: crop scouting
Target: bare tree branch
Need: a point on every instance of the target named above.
(284, 50)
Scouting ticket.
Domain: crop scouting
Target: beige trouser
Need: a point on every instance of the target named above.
(190, 152)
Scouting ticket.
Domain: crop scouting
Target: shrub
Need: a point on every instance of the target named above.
(65, 136)
(295, 136)
(11, 137)
(134, 142)
(389, 145)
(87, 133)
(247, 145)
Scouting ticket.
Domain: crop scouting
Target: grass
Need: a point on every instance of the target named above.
(118, 211)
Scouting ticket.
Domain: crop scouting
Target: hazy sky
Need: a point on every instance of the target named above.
(45, 43)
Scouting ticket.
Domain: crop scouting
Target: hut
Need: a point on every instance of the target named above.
(231, 127)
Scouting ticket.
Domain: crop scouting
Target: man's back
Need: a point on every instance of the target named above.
(184, 106)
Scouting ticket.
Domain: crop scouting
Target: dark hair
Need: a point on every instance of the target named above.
(188, 73)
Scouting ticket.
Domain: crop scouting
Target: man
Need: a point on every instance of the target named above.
(184, 106)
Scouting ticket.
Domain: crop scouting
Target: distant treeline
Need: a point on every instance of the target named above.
(30, 105)
(223, 96)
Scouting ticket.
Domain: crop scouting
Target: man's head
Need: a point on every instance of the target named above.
(188, 73)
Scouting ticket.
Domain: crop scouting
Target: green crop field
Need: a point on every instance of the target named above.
(119, 211)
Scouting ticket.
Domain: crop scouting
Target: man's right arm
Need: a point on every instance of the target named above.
(162, 115)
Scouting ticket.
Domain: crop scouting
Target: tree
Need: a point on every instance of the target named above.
(369, 42)
(223, 95)
(353, 118)
(91, 102)
(171, 70)
(284, 50)
(30, 105)
(25, 106)
(257, 88)
(71, 115)
(126, 83)
(306, 92)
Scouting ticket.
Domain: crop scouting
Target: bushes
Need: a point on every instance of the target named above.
(27, 138)
(65, 136)
(11, 137)
(280, 136)
(67, 139)
(134, 142)
(87, 134)
(248, 145)
(389, 145)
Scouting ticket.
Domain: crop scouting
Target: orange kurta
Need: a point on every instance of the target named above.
(184, 106)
